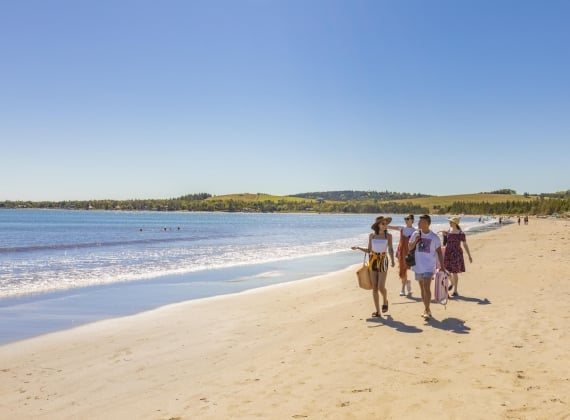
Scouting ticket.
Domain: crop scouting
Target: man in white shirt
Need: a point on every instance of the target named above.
(427, 246)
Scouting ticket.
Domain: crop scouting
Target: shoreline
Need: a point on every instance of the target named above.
(26, 316)
(308, 349)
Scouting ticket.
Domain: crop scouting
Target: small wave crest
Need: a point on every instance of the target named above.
(259, 276)
(79, 245)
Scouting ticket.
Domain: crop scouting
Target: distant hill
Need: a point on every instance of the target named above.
(444, 200)
(559, 194)
(249, 198)
(503, 202)
(349, 195)
(482, 203)
(500, 202)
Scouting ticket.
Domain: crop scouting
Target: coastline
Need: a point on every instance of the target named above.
(98, 292)
(24, 317)
(308, 349)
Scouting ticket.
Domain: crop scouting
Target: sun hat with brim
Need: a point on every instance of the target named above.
(455, 220)
(379, 220)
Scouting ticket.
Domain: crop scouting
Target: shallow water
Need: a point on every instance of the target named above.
(59, 269)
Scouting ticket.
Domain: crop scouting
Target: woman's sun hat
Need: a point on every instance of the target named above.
(381, 219)
(455, 220)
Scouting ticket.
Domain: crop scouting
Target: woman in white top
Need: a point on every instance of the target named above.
(402, 251)
(379, 244)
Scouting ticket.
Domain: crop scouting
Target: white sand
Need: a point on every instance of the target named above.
(309, 350)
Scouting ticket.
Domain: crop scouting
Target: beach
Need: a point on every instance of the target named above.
(309, 349)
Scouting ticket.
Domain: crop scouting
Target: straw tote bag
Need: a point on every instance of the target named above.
(363, 276)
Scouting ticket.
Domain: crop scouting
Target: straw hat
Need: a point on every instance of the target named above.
(455, 220)
(380, 219)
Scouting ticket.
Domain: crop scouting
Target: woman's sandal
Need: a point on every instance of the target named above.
(384, 308)
(376, 315)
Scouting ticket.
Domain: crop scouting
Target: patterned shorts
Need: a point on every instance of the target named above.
(378, 262)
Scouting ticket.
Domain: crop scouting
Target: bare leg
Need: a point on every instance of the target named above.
(382, 287)
(454, 281)
(375, 296)
(425, 286)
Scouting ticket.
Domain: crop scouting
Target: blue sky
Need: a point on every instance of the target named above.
(156, 99)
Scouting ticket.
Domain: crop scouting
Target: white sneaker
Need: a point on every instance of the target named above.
(402, 293)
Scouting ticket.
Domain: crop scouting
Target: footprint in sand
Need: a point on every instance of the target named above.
(361, 390)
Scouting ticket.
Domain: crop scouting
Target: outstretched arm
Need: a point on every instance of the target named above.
(359, 248)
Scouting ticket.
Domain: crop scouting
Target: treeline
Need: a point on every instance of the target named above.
(358, 195)
(343, 202)
(199, 196)
(212, 204)
(540, 206)
(559, 194)
(288, 206)
(151, 204)
(505, 191)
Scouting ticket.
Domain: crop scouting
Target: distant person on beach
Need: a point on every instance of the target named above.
(453, 257)
(379, 245)
(427, 247)
(526, 220)
(403, 248)
(519, 220)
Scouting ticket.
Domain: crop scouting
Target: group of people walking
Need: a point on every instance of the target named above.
(430, 256)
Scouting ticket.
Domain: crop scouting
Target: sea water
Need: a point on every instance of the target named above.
(62, 268)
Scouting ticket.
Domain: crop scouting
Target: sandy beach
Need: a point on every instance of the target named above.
(309, 349)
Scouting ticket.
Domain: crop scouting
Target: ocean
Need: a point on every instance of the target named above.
(63, 268)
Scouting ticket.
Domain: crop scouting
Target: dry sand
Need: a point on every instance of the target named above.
(309, 349)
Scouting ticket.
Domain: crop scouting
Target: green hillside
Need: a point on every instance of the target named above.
(259, 197)
(436, 203)
(343, 202)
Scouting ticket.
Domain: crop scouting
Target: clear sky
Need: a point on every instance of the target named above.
(156, 99)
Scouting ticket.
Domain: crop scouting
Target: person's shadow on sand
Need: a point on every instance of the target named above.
(483, 301)
(408, 299)
(450, 324)
(397, 325)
